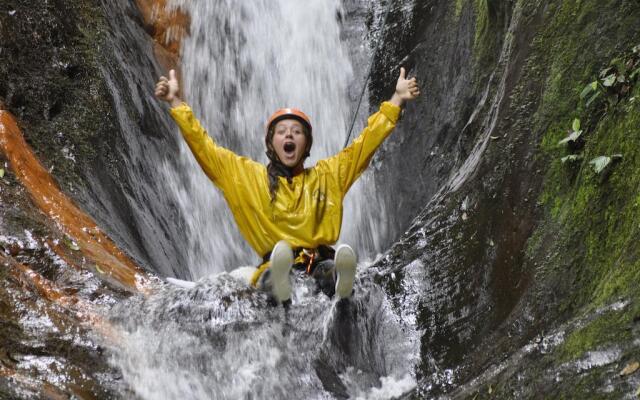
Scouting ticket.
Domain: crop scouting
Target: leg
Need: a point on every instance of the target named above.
(276, 278)
(337, 276)
(345, 261)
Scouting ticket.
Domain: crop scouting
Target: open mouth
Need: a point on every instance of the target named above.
(289, 148)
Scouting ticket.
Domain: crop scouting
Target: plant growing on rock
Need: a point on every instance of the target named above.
(574, 140)
(615, 81)
(601, 163)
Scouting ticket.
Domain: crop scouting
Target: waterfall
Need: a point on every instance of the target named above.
(240, 62)
(220, 339)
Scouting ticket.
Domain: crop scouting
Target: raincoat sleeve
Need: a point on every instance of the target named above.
(218, 163)
(349, 163)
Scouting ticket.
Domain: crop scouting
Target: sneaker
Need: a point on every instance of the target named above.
(345, 260)
(281, 262)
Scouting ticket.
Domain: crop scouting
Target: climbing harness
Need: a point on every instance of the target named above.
(366, 82)
(305, 260)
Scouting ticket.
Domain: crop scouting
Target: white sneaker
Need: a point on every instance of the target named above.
(281, 262)
(345, 260)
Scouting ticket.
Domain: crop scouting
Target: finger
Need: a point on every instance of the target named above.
(403, 73)
(413, 79)
(172, 75)
(163, 79)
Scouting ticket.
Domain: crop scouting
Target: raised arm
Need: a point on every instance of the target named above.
(349, 163)
(216, 161)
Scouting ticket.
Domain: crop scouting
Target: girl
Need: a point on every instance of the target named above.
(289, 214)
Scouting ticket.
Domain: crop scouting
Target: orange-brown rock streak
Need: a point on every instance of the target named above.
(167, 26)
(84, 311)
(105, 257)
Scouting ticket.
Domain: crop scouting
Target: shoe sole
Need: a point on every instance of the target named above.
(345, 260)
(281, 262)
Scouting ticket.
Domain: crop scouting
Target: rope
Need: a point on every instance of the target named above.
(366, 82)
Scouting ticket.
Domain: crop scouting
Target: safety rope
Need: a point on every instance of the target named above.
(366, 82)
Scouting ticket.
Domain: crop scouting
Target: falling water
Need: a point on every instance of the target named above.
(220, 339)
(242, 61)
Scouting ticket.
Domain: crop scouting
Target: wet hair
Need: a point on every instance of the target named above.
(275, 168)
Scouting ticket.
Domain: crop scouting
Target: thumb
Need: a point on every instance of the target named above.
(172, 75)
(402, 73)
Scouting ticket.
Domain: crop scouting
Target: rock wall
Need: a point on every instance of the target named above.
(62, 77)
(80, 77)
(519, 269)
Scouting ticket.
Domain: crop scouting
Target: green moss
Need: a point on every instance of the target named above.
(485, 42)
(596, 214)
(602, 209)
(482, 20)
(457, 10)
(604, 330)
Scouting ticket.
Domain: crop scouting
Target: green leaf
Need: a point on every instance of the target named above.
(576, 124)
(573, 136)
(588, 89)
(634, 73)
(572, 158)
(600, 163)
(621, 78)
(605, 71)
(592, 98)
(71, 244)
(1, 172)
(609, 80)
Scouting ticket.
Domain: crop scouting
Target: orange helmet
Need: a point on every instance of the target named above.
(285, 113)
(289, 113)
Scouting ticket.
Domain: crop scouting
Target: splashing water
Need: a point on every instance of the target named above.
(221, 340)
(242, 61)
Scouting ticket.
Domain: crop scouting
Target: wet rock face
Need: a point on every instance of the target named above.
(496, 272)
(80, 76)
(47, 348)
(50, 80)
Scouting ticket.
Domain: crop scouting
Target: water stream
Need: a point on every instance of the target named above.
(241, 62)
(220, 339)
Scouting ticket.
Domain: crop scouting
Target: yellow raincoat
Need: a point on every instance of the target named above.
(307, 212)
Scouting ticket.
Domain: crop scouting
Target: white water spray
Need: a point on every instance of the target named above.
(242, 61)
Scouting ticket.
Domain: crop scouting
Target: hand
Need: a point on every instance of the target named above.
(168, 89)
(406, 89)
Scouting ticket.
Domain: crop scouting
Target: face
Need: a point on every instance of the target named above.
(289, 142)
